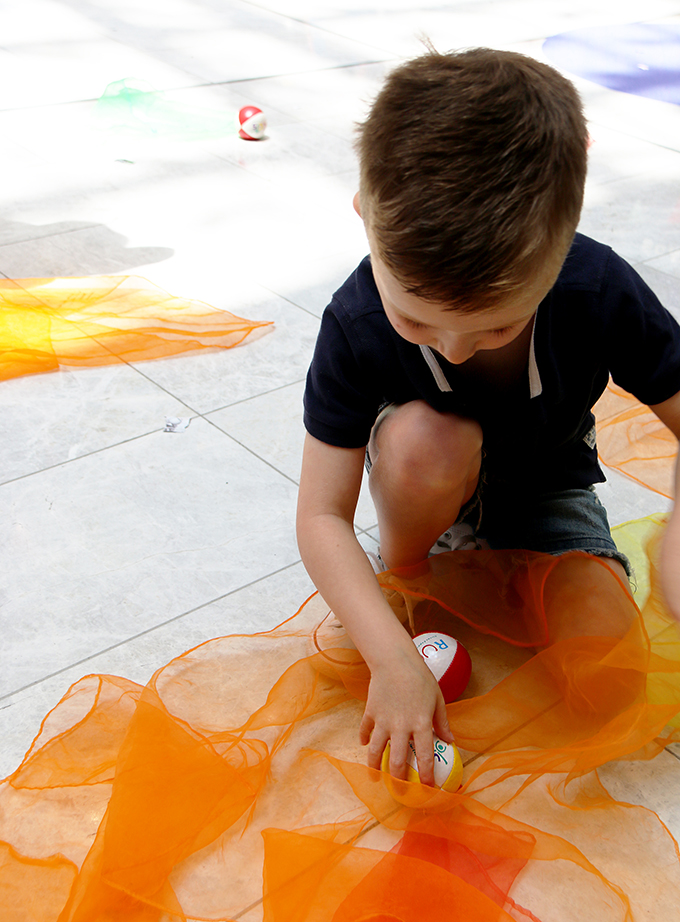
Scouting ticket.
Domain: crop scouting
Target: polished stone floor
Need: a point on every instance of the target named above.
(123, 545)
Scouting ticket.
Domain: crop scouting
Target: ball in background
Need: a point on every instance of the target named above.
(253, 123)
(448, 661)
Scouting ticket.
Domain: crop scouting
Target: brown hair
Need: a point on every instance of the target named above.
(473, 165)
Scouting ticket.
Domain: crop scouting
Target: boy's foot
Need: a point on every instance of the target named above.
(459, 537)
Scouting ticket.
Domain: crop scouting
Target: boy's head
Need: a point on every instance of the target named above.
(473, 165)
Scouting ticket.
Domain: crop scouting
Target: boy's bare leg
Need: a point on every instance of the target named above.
(584, 599)
(425, 467)
(597, 605)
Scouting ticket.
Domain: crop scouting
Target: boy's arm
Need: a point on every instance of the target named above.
(669, 414)
(404, 700)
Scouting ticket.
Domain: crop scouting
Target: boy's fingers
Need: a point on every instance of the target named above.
(376, 749)
(440, 721)
(365, 729)
(425, 755)
(398, 756)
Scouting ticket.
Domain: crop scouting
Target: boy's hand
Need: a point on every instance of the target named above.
(404, 702)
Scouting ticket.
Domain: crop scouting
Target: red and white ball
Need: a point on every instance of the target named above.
(253, 123)
(448, 661)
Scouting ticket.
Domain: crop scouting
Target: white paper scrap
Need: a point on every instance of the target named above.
(175, 424)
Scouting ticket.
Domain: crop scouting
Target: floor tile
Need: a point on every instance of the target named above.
(647, 119)
(94, 250)
(331, 93)
(39, 73)
(654, 784)
(55, 417)
(559, 15)
(610, 210)
(248, 226)
(215, 379)
(156, 204)
(257, 607)
(322, 277)
(664, 285)
(668, 263)
(464, 26)
(614, 154)
(283, 47)
(294, 147)
(271, 427)
(45, 21)
(245, 41)
(117, 542)
(228, 98)
(624, 499)
(12, 232)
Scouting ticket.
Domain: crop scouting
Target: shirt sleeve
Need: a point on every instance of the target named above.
(641, 337)
(341, 400)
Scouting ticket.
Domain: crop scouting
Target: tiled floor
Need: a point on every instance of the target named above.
(124, 545)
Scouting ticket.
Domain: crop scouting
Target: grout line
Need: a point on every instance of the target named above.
(207, 84)
(313, 25)
(645, 262)
(88, 454)
(250, 450)
(195, 414)
(59, 233)
(150, 630)
(236, 403)
(634, 136)
(302, 73)
(294, 304)
(210, 422)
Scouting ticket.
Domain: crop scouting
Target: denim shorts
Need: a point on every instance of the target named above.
(554, 522)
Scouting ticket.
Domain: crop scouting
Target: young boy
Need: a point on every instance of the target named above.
(461, 360)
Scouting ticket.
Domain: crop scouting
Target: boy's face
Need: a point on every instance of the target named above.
(454, 335)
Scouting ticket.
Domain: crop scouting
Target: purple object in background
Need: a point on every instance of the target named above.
(639, 58)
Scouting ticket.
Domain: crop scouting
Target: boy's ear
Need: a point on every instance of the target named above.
(356, 201)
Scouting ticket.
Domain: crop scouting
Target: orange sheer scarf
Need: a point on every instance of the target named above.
(632, 440)
(233, 786)
(48, 323)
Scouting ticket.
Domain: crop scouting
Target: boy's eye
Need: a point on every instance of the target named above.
(502, 331)
(413, 323)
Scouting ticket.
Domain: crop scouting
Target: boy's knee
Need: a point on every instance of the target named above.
(425, 448)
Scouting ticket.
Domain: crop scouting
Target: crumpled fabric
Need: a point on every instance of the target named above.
(46, 324)
(633, 441)
(233, 786)
(234, 780)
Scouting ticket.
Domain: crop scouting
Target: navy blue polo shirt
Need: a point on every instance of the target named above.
(600, 318)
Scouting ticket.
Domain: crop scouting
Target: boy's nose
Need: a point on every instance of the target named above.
(457, 349)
